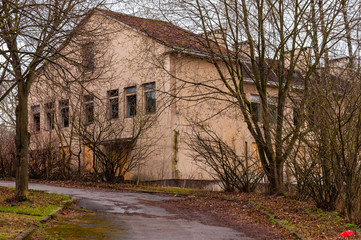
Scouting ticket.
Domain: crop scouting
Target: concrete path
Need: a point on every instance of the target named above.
(127, 216)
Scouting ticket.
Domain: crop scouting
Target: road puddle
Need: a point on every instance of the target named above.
(90, 226)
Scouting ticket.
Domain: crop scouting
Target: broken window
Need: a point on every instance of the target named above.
(89, 108)
(36, 118)
(64, 113)
(113, 97)
(149, 98)
(131, 101)
(49, 116)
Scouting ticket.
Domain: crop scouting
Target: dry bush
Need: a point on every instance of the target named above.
(210, 152)
(7, 153)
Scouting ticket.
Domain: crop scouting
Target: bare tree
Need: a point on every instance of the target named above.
(116, 146)
(32, 34)
(7, 152)
(277, 45)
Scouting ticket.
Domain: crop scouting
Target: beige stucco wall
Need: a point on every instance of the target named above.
(214, 110)
(129, 58)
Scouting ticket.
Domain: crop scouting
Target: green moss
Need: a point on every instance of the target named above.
(175, 190)
(89, 226)
(175, 155)
(18, 216)
(272, 220)
(28, 210)
(350, 225)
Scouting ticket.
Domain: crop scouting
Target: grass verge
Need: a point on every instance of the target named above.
(16, 217)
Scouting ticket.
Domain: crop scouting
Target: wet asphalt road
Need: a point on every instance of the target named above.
(127, 216)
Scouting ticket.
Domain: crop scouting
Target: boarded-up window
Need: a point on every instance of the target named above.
(117, 154)
(255, 154)
(88, 156)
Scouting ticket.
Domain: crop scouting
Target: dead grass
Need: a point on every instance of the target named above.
(302, 216)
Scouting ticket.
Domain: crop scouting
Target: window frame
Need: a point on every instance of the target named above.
(36, 126)
(272, 108)
(128, 95)
(256, 101)
(49, 110)
(88, 100)
(147, 90)
(111, 104)
(88, 56)
(63, 105)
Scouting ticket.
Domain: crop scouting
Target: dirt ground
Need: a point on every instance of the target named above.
(234, 215)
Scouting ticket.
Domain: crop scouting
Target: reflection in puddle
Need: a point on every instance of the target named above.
(91, 226)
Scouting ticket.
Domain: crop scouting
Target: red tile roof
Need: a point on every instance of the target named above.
(181, 39)
(164, 32)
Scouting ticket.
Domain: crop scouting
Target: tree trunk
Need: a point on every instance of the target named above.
(275, 178)
(22, 139)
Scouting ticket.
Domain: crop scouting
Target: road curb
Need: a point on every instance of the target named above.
(298, 235)
(28, 232)
(279, 222)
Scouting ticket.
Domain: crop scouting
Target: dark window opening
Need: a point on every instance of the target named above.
(49, 114)
(89, 109)
(113, 96)
(36, 118)
(272, 106)
(296, 116)
(149, 98)
(256, 108)
(131, 101)
(88, 56)
(64, 113)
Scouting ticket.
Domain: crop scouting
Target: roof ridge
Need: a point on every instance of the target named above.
(133, 16)
(105, 11)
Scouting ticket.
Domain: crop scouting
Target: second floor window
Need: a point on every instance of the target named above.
(131, 101)
(272, 106)
(64, 113)
(36, 118)
(89, 108)
(256, 107)
(49, 115)
(88, 56)
(113, 96)
(149, 98)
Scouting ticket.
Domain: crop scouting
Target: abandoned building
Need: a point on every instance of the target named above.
(140, 92)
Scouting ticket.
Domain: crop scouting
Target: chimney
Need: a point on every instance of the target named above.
(216, 36)
(303, 61)
(242, 48)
